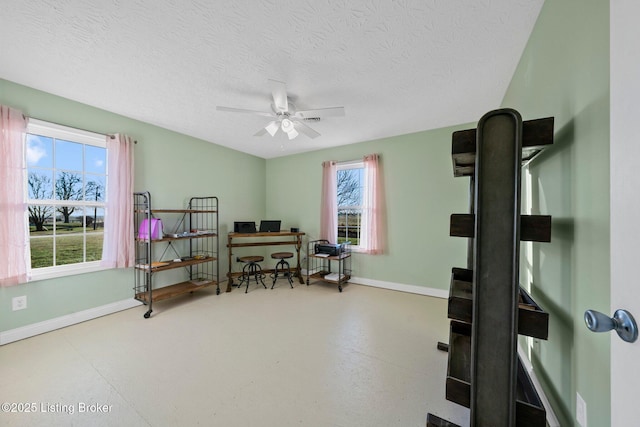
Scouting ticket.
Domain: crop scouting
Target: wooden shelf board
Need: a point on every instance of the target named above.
(533, 228)
(172, 264)
(153, 211)
(171, 291)
(241, 245)
(266, 234)
(166, 238)
(435, 421)
(343, 255)
(321, 275)
(533, 321)
(536, 136)
(189, 211)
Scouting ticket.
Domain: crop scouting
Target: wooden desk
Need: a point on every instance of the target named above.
(264, 239)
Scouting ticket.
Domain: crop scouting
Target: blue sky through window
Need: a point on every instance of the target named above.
(46, 155)
(68, 156)
(39, 151)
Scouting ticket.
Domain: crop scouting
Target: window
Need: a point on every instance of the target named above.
(66, 185)
(350, 190)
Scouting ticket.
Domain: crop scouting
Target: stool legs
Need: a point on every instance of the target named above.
(284, 266)
(249, 269)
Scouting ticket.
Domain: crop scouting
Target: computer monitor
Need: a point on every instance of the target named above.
(244, 227)
(269, 226)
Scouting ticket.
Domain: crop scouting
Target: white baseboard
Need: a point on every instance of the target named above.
(23, 332)
(413, 289)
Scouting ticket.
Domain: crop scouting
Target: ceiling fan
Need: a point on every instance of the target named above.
(284, 115)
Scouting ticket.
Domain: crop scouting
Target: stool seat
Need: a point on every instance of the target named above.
(251, 258)
(282, 255)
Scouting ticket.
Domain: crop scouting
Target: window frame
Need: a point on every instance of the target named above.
(346, 165)
(80, 136)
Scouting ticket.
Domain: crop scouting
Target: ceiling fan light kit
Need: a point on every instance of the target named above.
(285, 116)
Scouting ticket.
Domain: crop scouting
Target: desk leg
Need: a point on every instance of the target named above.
(229, 276)
(298, 268)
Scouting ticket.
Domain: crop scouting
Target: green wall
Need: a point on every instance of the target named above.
(421, 194)
(173, 167)
(564, 72)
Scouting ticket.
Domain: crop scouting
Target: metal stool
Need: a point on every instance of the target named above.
(251, 268)
(282, 266)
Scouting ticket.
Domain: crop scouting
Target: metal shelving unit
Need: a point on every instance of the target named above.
(487, 307)
(190, 243)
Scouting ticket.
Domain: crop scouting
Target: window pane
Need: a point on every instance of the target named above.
(95, 233)
(69, 235)
(69, 249)
(350, 187)
(68, 186)
(41, 235)
(41, 218)
(69, 219)
(41, 250)
(349, 226)
(39, 151)
(95, 188)
(40, 184)
(68, 155)
(95, 159)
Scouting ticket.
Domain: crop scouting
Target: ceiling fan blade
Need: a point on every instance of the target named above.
(305, 129)
(241, 110)
(272, 127)
(321, 112)
(279, 92)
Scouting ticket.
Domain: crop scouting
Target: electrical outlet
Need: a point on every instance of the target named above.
(19, 303)
(581, 411)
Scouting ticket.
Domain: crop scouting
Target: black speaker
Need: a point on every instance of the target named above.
(295, 230)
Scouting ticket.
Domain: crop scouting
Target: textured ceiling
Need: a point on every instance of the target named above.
(396, 66)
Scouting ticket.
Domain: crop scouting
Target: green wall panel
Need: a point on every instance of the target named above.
(564, 72)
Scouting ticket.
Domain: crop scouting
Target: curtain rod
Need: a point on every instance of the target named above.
(112, 136)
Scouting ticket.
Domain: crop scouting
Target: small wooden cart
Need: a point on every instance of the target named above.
(319, 264)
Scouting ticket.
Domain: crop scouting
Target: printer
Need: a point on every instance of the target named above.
(331, 249)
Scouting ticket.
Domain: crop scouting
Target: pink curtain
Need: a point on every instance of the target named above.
(118, 245)
(374, 234)
(14, 227)
(329, 202)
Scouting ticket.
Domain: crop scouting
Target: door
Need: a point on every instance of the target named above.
(625, 203)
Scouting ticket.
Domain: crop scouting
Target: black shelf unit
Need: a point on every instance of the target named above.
(487, 306)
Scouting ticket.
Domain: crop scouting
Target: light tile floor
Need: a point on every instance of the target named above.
(308, 356)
